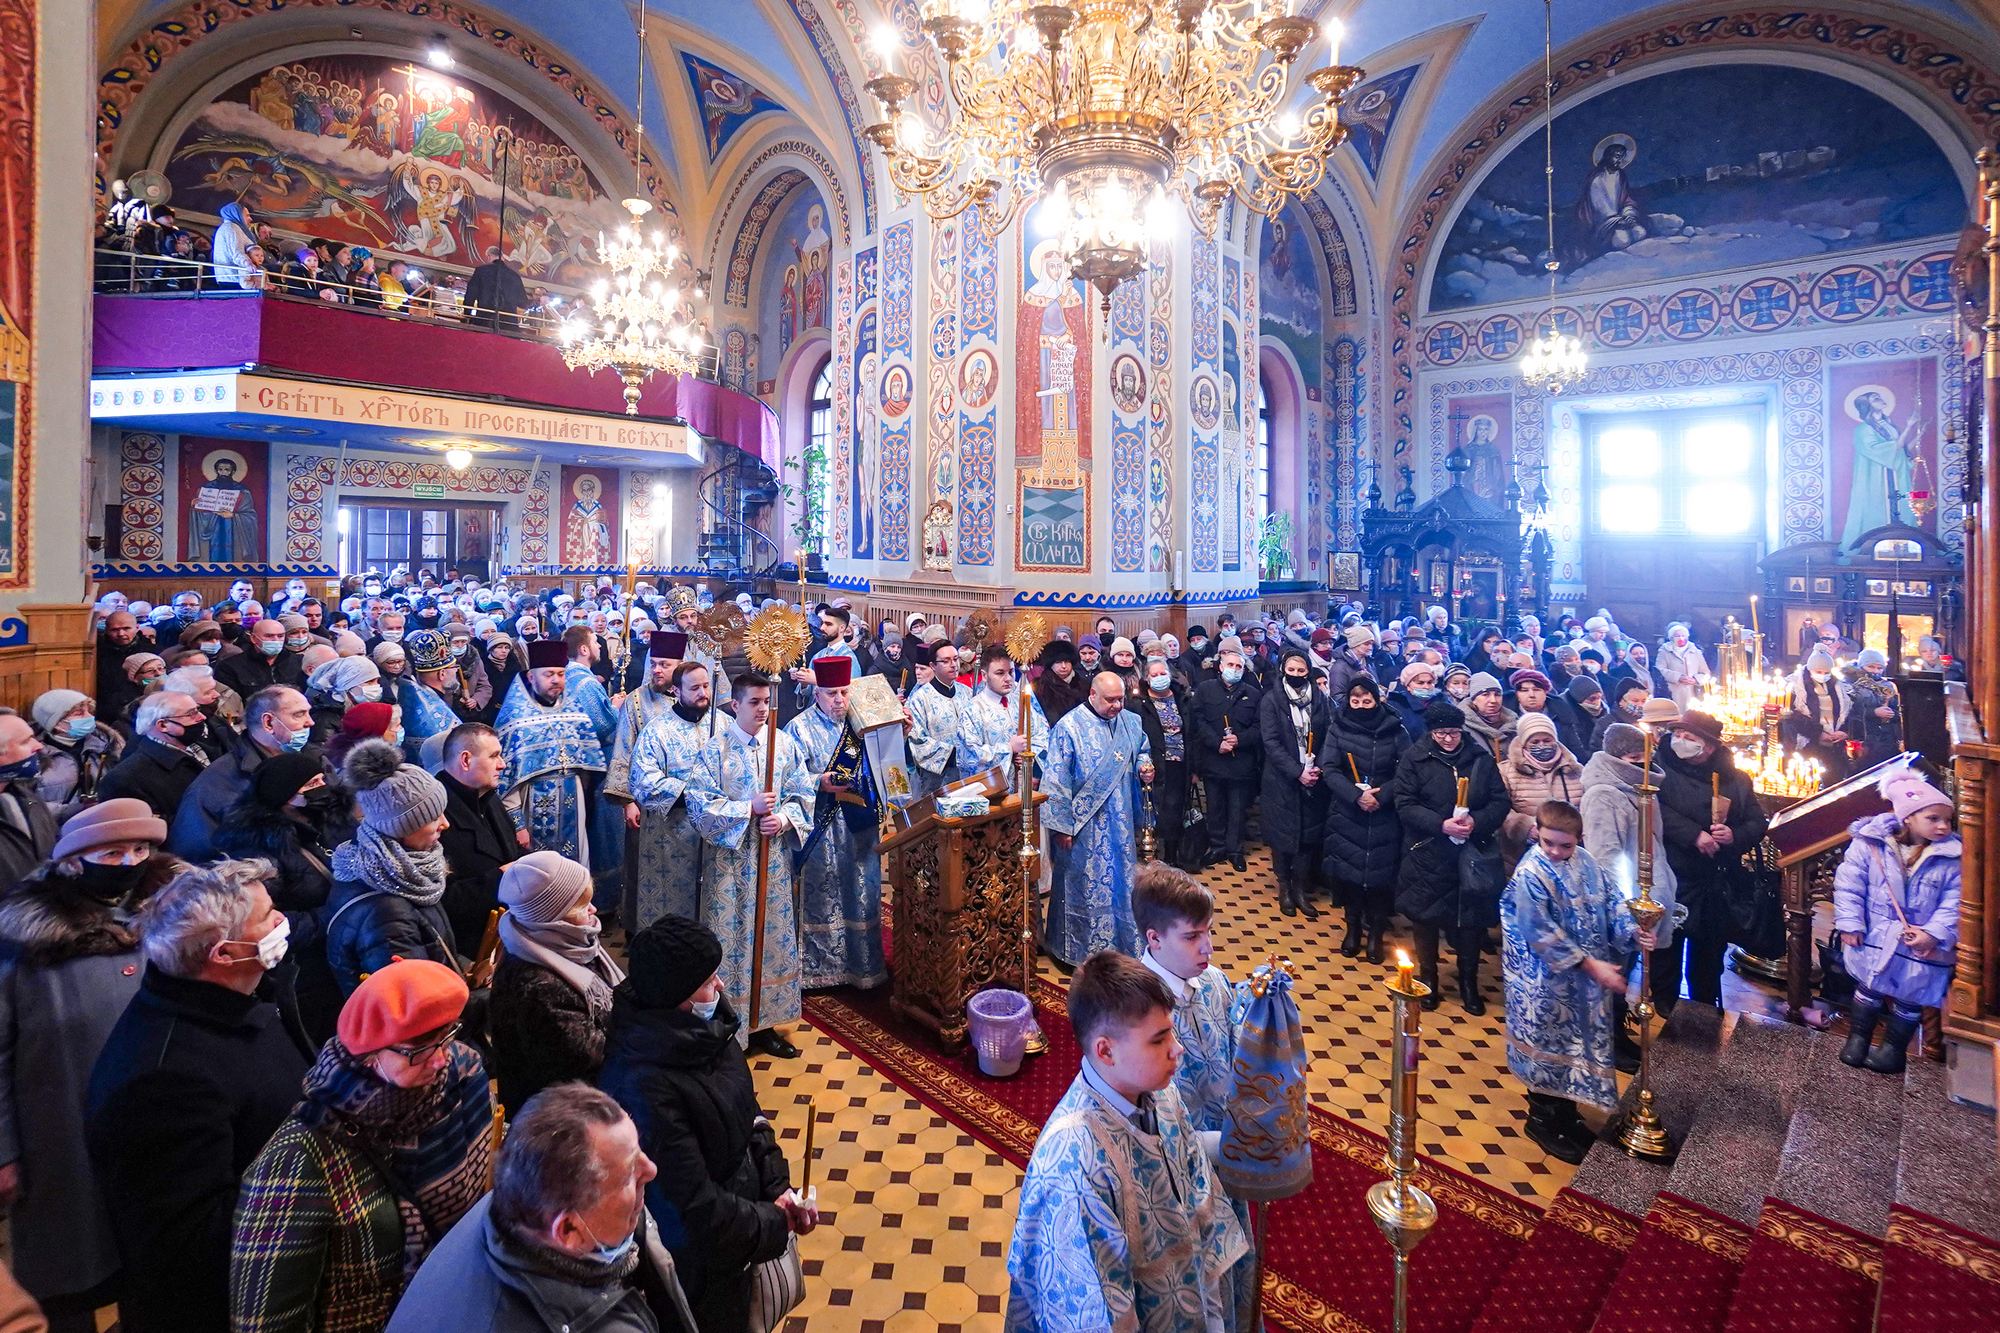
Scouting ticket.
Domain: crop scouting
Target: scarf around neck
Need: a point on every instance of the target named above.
(386, 865)
(570, 951)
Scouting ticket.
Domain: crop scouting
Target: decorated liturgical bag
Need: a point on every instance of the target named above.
(1267, 1148)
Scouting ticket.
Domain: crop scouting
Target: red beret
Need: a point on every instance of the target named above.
(667, 643)
(401, 1002)
(547, 653)
(833, 673)
(367, 719)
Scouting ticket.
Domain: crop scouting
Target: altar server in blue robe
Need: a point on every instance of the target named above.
(840, 872)
(554, 758)
(1092, 818)
(934, 706)
(1122, 1225)
(661, 729)
(989, 726)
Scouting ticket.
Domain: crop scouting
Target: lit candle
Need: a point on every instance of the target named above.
(1406, 972)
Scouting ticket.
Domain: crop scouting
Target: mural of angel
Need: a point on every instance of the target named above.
(432, 208)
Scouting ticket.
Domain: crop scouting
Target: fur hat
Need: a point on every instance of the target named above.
(1622, 740)
(1443, 716)
(396, 798)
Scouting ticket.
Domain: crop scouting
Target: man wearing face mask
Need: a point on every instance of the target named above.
(1706, 852)
(195, 1077)
(27, 828)
(199, 681)
(276, 720)
(162, 762)
(1228, 756)
(1819, 699)
(265, 661)
(1167, 711)
(389, 628)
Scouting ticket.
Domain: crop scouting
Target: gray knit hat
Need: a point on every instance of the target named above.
(541, 886)
(1483, 681)
(396, 798)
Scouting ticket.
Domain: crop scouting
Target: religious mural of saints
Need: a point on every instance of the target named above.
(867, 437)
(1607, 216)
(788, 309)
(1128, 384)
(976, 375)
(441, 114)
(588, 534)
(1487, 478)
(896, 391)
(223, 525)
(1885, 461)
(1059, 349)
(813, 254)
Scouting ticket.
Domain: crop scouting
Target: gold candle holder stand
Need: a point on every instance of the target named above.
(1402, 1210)
(1640, 1132)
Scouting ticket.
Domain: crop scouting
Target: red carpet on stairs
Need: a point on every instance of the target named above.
(1937, 1278)
(1680, 1274)
(1805, 1274)
(1564, 1271)
(1328, 1270)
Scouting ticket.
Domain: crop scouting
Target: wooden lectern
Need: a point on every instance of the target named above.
(958, 914)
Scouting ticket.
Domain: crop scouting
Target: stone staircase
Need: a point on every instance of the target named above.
(1807, 1197)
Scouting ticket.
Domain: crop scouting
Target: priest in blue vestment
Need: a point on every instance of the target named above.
(554, 757)
(586, 693)
(652, 700)
(1092, 818)
(840, 870)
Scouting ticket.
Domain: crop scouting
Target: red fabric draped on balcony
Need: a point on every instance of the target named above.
(158, 333)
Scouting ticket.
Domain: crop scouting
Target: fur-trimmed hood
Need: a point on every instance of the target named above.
(49, 920)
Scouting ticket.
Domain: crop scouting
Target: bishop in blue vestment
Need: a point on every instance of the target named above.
(840, 889)
(554, 758)
(1092, 817)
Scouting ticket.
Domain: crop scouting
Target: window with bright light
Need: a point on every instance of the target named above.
(1686, 473)
(819, 451)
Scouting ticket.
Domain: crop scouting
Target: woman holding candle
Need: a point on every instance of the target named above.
(1364, 841)
(1293, 719)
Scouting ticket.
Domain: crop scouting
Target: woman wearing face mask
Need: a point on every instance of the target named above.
(1165, 712)
(394, 664)
(1583, 707)
(1539, 768)
(142, 672)
(552, 991)
(388, 890)
(336, 687)
(723, 1195)
(390, 1146)
(1627, 703)
(283, 819)
(1457, 683)
(1819, 701)
(71, 965)
(1416, 689)
(1062, 684)
(1364, 839)
(1874, 713)
(76, 750)
(1293, 719)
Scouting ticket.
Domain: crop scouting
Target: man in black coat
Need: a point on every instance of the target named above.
(273, 720)
(1227, 758)
(27, 829)
(1294, 717)
(1706, 855)
(162, 763)
(1164, 709)
(481, 840)
(1425, 795)
(264, 662)
(119, 640)
(193, 1080)
(495, 294)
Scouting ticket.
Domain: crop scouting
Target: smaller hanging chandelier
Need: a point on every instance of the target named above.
(1554, 359)
(640, 323)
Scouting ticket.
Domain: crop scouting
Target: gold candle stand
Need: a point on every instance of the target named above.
(1403, 1211)
(1641, 1134)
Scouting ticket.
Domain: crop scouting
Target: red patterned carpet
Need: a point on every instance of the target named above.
(1328, 1269)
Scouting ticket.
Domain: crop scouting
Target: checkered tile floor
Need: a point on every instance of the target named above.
(916, 1215)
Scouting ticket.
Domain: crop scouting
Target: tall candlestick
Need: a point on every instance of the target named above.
(1641, 1134)
(1403, 1211)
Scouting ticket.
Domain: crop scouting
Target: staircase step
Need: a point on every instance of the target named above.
(1560, 1277)
(1732, 1153)
(1680, 1274)
(1838, 1163)
(1941, 1266)
(1683, 1066)
(1805, 1274)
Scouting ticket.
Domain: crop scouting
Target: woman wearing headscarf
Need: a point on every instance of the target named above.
(1063, 683)
(552, 991)
(1539, 768)
(69, 963)
(503, 663)
(281, 819)
(1293, 718)
(393, 663)
(390, 1146)
(76, 750)
(336, 687)
(388, 888)
(1364, 839)
(232, 241)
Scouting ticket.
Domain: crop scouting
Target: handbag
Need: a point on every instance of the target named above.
(1482, 875)
(777, 1287)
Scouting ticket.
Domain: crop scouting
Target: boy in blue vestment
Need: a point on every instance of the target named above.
(1121, 1223)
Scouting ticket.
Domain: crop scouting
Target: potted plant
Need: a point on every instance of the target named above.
(810, 526)
(1274, 547)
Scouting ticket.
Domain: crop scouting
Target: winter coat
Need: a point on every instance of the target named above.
(479, 844)
(1625, 671)
(1529, 786)
(1294, 814)
(1425, 794)
(1214, 704)
(1363, 847)
(1587, 733)
(1672, 663)
(543, 1031)
(1409, 710)
(192, 1082)
(1495, 738)
(22, 853)
(69, 964)
(191, 829)
(154, 773)
(1802, 724)
(1606, 720)
(478, 1280)
(1342, 670)
(687, 1087)
(1872, 894)
(1881, 737)
(367, 929)
(1573, 725)
(304, 882)
(1704, 883)
(72, 770)
(251, 671)
(1610, 809)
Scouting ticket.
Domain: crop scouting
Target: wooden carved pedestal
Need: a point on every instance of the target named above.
(958, 897)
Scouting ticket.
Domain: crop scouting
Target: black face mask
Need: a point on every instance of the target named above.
(109, 883)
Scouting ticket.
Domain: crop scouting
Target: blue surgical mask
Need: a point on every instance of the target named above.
(1232, 674)
(1422, 692)
(705, 1009)
(211, 646)
(80, 727)
(270, 647)
(296, 741)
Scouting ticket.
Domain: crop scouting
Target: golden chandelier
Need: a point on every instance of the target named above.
(1108, 106)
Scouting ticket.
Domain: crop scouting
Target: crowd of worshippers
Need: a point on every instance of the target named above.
(143, 248)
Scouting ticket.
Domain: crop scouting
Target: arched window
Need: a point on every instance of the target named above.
(1263, 453)
(818, 473)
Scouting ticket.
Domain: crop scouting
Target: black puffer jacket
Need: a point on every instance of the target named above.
(1294, 814)
(367, 930)
(305, 879)
(1213, 702)
(543, 1031)
(1363, 847)
(1425, 792)
(687, 1087)
(1704, 882)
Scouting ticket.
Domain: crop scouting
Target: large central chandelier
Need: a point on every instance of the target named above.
(1553, 359)
(1108, 106)
(640, 322)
